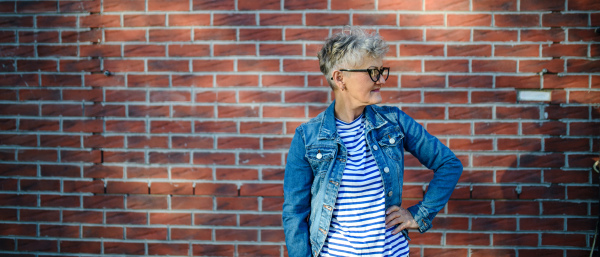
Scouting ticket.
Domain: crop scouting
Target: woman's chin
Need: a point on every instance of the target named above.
(375, 99)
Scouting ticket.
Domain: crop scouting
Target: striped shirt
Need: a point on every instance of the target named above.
(358, 222)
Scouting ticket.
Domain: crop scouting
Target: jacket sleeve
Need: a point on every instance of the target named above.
(437, 157)
(296, 206)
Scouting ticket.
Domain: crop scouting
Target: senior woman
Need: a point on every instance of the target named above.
(345, 168)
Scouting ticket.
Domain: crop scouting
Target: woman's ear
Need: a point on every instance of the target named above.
(337, 79)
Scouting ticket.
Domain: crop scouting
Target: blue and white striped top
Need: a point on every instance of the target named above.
(358, 222)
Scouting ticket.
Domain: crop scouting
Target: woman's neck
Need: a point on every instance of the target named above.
(345, 112)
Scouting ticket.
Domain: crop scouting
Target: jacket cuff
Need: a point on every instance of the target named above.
(421, 216)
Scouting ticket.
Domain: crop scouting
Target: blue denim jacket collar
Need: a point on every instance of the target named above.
(328, 128)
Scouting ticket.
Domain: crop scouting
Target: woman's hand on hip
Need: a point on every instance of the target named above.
(396, 215)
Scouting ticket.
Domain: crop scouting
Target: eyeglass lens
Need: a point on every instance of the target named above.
(376, 73)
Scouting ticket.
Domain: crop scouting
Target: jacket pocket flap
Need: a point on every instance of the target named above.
(391, 139)
(320, 153)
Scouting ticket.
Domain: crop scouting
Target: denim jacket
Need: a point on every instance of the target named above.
(317, 159)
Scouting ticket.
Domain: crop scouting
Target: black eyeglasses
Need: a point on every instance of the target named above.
(374, 73)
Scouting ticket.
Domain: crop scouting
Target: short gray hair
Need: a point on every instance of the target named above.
(348, 48)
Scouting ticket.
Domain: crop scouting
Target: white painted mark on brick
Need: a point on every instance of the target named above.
(541, 96)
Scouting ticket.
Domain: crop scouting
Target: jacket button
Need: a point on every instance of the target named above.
(375, 147)
(319, 156)
(392, 140)
(390, 193)
(386, 169)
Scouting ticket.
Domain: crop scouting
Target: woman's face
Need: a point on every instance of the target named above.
(360, 89)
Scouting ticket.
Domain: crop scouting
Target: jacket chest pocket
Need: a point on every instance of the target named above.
(320, 158)
(391, 143)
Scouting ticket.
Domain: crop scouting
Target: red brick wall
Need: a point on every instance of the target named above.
(181, 149)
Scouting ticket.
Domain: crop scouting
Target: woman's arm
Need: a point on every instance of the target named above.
(296, 190)
(436, 156)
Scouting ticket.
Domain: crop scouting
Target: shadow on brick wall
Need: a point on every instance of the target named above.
(547, 198)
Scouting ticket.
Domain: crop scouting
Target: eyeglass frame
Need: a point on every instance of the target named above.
(368, 71)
